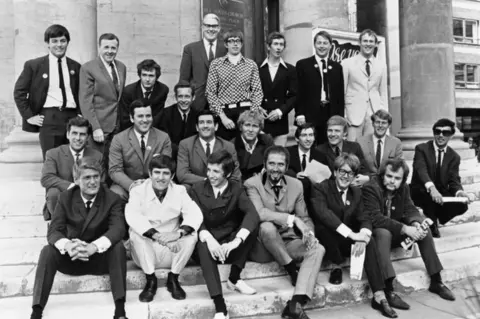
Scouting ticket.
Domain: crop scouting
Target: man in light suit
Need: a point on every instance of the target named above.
(101, 86)
(163, 222)
(194, 151)
(365, 79)
(286, 231)
(133, 149)
(84, 238)
(46, 95)
(378, 147)
(57, 169)
(197, 57)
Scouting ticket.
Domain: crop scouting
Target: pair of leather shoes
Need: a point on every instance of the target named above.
(148, 291)
(440, 289)
(122, 317)
(435, 230)
(294, 277)
(395, 301)
(173, 286)
(335, 276)
(384, 308)
(294, 311)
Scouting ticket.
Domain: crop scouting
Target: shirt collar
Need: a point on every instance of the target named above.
(107, 66)
(300, 152)
(207, 43)
(53, 58)
(221, 189)
(75, 152)
(247, 145)
(375, 140)
(436, 149)
(281, 62)
(145, 90)
(339, 190)
(86, 200)
(151, 192)
(225, 58)
(204, 143)
(364, 59)
(139, 136)
(181, 112)
(319, 59)
(339, 145)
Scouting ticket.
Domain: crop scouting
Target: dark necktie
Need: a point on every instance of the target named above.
(337, 151)
(207, 152)
(439, 165)
(142, 144)
(160, 194)
(219, 193)
(378, 155)
(304, 162)
(276, 189)
(211, 56)
(184, 125)
(77, 157)
(341, 196)
(62, 84)
(147, 94)
(367, 67)
(89, 205)
(325, 79)
(114, 77)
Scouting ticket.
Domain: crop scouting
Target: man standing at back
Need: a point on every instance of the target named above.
(197, 56)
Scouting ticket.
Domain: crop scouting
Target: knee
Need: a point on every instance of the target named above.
(382, 234)
(48, 253)
(118, 249)
(267, 230)
(117, 189)
(318, 249)
(189, 240)
(53, 193)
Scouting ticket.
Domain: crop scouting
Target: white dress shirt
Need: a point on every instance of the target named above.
(139, 137)
(319, 63)
(54, 94)
(436, 148)
(375, 141)
(307, 158)
(204, 145)
(343, 229)
(216, 190)
(109, 69)
(206, 44)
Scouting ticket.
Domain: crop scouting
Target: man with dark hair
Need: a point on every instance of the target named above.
(378, 146)
(57, 169)
(320, 87)
(84, 238)
(165, 240)
(194, 151)
(197, 56)
(436, 174)
(46, 92)
(133, 149)
(229, 229)
(286, 231)
(229, 95)
(395, 217)
(148, 89)
(279, 85)
(341, 220)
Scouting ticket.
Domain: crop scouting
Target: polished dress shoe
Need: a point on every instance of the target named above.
(149, 291)
(173, 286)
(395, 301)
(384, 308)
(293, 278)
(435, 230)
(440, 289)
(335, 276)
(294, 311)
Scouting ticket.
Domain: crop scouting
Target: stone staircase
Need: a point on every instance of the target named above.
(22, 235)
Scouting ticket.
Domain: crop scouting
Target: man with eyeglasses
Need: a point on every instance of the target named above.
(378, 146)
(233, 85)
(436, 174)
(197, 57)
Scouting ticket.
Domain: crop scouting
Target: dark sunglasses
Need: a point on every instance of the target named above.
(446, 133)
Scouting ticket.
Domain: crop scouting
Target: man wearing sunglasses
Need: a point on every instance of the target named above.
(435, 175)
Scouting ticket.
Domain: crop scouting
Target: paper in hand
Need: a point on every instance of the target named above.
(317, 172)
(455, 200)
(357, 260)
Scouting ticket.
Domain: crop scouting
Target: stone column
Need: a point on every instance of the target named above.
(31, 18)
(427, 71)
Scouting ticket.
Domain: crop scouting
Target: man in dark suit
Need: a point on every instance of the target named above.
(229, 229)
(197, 57)
(250, 144)
(46, 92)
(178, 120)
(194, 151)
(395, 217)
(279, 85)
(340, 221)
(57, 169)
(84, 237)
(148, 89)
(133, 149)
(436, 174)
(320, 87)
(336, 130)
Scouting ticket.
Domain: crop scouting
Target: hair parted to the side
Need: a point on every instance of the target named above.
(347, 159)
(277, 149)
(56, 31)
(84, 163)
(224, 159)
(162, 161)
(149, 65)
(395, 164)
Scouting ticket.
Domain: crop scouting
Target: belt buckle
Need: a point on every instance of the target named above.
(232, 106)
(245, 103)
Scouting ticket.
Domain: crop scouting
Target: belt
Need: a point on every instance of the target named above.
(238, 104)
(324, 103)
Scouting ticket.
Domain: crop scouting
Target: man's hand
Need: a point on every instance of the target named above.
(216, 250)
(360, 180)
(470, 196)
(36, 120)
(228, 123)
(415, 233)
(302, 227)
(359, 237)
(300, 120)
(309, 240)
(436, 196)
(418, 226)
(98, 135)
(135, 184)
(358, 248)
(173, 246)
(274, 115)
(228, 247)
(263, 112)
(165, 238)
(301, 175)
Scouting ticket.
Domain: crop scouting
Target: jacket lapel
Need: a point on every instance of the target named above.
(199, 150)
(121, 76)
(65, 149)
(278, 76)
(44, 71)
(387, 148)
(107, 75)
(79, 206)
(223, 199)
(93, 210)
(151, 142)
(203, 54)
(432, 159)
(134, 143)
(73, 76)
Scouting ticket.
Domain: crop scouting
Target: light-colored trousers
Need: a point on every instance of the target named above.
(355, 132)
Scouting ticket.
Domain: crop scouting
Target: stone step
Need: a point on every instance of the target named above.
(272, 294)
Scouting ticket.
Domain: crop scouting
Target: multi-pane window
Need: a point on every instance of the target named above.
(465, 30)
(467, 76)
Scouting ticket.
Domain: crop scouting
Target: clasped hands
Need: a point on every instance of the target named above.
(361, 240)
(79, 250)
(438, 198)
(308, 237)
(169, 240)
(221, 252)
(415, 231)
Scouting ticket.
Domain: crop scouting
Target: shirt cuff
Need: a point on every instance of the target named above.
(149, 233)
(343, 230)
(187, 229)
(61, 243)
(456, 194)
(428, 185)
(243, 234)
(366, 231)
(204, 235)
(300, 117)
(103, 243)
(279, 112)
(290, 220)
(71, 185)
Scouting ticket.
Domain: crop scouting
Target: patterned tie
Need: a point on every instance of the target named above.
(62, 84)
(304, 162)
(211, 56)
(367, 67)
(89, 205)
(142, 144)
(378, 155)
(207, 152)
(114, 77)
(325, 79)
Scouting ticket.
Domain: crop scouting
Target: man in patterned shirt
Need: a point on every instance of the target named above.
(233, 85)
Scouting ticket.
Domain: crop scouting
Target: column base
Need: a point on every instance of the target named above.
(23, 147)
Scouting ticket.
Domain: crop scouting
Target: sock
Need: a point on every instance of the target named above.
(175, 276)
(291, 268)
(234, 274)
(436, 278)
(301, 299)
(389, 284)
(378, 296)
(37, 312)
(120, 308)
(220, 305)
(151, 276)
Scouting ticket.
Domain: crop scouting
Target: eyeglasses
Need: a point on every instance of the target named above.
(234, 41)
(211, 26)
(383, 123)
(446, 133)
(343, 172)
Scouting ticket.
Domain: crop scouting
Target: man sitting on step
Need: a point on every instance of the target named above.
(229, 229)
(395, 217)
(84, 238)
(163, 222)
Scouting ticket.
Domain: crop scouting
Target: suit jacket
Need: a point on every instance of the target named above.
(277, 210)
(194, 69)
(31, 89)
(348, 147)
(126, 162)
(281, 93)
(170, 121)
(251, 164)
(134, 92)
(363, 91)
(145, 211)
(391, 150)
(57, 170)
(403, 211)
(192, 160)
(224, 216)
(98, 97)
(71, 220)
(330, 211)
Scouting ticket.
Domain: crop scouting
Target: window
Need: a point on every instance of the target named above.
(467, 76)
(465, 31)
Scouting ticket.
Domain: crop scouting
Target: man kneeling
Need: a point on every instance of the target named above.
(88, 225)
(163, 222)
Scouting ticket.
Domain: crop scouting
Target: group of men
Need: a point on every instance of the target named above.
(209, 178)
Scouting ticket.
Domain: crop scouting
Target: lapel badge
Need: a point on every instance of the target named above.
(316, 66)
(149, 148)
(347, 202)
(325, 70)
(393, 207)
(329, 67)
(72, 72)
(45, 75)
